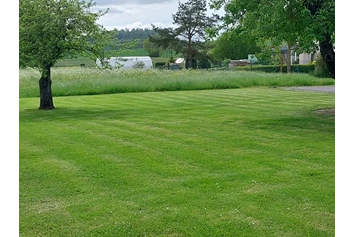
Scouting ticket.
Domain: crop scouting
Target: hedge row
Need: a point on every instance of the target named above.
(297, 68)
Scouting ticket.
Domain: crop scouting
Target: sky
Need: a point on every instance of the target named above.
(139, 13)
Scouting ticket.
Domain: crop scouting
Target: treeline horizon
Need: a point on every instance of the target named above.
(129, 35)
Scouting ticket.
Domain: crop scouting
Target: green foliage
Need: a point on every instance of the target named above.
(190, 64)
(191, 23)
(129, 35)
(233, 45)
(298, 24)
(153, 51)
(75, 62)
(159, 64)
(296, 68)
(133, 52)
(322, 24)
(171, 60)
(320, 68)
(51, 30)
(204, 64)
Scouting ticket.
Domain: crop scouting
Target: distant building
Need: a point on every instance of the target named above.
(303, 58)
(306, 58)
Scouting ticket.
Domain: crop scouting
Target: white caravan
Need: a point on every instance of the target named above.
(139, 62)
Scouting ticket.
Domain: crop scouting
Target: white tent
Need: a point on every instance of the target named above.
(180, 62)
(141, 62)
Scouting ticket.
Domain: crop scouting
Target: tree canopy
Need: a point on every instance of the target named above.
(191, 23)
(53, 29)
(233, 45)
(300, 24)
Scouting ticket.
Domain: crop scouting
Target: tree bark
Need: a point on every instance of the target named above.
(288, 61)
(45, 91)
(325, 46)
(328, 54)
(190, 53)
(281, 62)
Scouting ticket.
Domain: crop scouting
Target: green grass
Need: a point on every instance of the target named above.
(235, 162)
(88, 81)
(76, 62)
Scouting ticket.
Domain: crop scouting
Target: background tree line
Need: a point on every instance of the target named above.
(129, 35)
(229, 45)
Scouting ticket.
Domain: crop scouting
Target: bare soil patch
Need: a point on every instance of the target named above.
(326, 111)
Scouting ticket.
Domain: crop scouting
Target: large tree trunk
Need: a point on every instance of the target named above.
(190, 53)
(45, 90)
(281, 62)
(288, 60)
(328, 54)
(325, 45)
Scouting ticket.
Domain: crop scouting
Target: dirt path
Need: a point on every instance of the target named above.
(329, 89)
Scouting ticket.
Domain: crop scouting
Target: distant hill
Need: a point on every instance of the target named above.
(125, 35)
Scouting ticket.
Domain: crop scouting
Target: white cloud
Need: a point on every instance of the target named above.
(123, 2)
(137, 13)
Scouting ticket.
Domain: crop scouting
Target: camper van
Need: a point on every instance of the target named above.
(134, 62)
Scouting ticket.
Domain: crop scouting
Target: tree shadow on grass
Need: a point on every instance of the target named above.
(74, 114)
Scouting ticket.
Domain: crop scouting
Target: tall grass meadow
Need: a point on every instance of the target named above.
(92, 81)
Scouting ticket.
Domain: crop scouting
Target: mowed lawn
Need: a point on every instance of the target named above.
(233, 162)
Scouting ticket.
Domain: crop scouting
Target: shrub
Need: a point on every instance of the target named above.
(320, 68)
(204, 63)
